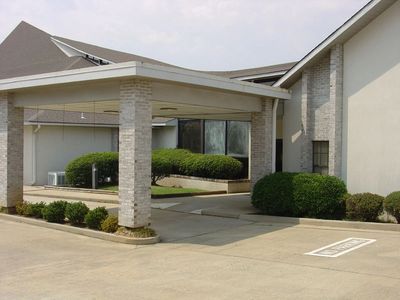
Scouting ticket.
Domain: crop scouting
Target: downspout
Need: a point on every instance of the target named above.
(34, 158)
(274, 111)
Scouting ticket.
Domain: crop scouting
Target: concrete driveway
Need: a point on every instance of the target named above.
(201, 257)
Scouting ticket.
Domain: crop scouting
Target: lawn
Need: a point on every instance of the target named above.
(160, 190)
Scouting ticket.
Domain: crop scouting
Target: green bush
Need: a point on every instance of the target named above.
(211, 166)
(95, 217)
(79, 171)
(55, 212)
(364, 207)
(392, 205)
(76, 212)
(318, 196)
(174, 156)
(35, 210)
(110, 224)
(300, 195)
(160, 167)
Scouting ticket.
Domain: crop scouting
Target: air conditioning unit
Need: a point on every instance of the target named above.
(56, 178)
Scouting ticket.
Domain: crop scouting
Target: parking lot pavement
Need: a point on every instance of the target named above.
(201, 257)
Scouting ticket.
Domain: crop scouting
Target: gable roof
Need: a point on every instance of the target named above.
(352, 26)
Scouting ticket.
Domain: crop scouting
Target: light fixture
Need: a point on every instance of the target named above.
(111, 111)
(83, 116)
(168, 108)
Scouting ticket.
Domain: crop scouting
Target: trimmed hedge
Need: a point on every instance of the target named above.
(174, 156)
(110, 224)
(95, 217)
(79, 171)
(300, 195)
(76, 212)
(211, 166)
(161, 167)
(364, 207)
(392, 205)
(55, 212)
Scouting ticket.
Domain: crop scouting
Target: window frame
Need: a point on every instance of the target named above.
(320, 166)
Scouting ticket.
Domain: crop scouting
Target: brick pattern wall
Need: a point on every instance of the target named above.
(261, 142)
(11, 152)
(321, 109)
(135, 153)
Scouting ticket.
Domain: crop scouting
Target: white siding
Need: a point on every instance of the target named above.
(165, 137)
(371, 132)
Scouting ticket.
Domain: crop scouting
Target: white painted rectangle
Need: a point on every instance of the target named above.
(341, 247)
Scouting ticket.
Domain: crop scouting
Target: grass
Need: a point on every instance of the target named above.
(160, 190)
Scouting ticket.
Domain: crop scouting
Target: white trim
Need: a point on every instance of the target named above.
(274, 110)
(328, 42)
(59, 44)
(257, 76)
(144, 70)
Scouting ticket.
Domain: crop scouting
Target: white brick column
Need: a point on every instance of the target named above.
(336, 100)
(261, 142)
(135, 153)
(11, 152)
(306, 138)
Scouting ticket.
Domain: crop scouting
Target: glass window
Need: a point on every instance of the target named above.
(190, 135)
(214, 137)
(238, 138)
(321, 157)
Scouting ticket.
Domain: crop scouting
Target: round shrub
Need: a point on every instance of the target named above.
(174, 156)
(364, 207)
(392, 205)
(55, 212)
(95, 217)
(78, 172)
(318, 196)
(76, 212)
(20, 208)
(211, 166)
(273, 194)
(160, 167)
(35, 209)
(110, 224)
(300, 195)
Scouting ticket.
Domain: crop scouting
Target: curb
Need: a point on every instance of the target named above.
(82, 231)
(306, 221)
(72, 198)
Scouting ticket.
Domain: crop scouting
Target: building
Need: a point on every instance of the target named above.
(335, 110)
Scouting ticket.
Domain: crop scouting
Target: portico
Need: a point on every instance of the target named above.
(137, 92)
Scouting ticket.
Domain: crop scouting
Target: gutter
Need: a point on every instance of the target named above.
(274, 111)
(34, 151)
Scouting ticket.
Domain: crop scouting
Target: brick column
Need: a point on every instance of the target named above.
(11, 152)
(135, 153)
(306, 139)
(336, 100)
(261, 142)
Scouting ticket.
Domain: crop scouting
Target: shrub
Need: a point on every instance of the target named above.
(318, 196)
(79, 171)
(55, 212)
(160, 167)
(300, 195)
(174, 156)
(211, 166)
(76, 212)
(20, 208)
(35, 209)
(110, 224)
(392, 205)
(95, 217)
(143, 232)
(364, 207)
(273, 194)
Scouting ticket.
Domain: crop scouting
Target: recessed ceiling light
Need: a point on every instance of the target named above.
(168, 108)
(112, 111)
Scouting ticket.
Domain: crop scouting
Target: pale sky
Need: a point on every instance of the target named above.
(196, 34)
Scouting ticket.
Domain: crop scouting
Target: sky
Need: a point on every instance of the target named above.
(196, 34)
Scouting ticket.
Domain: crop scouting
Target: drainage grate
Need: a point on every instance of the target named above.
(342, 247)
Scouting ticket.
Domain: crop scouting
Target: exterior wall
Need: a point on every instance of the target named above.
(165, 137)
(56, 146)
(372, 105)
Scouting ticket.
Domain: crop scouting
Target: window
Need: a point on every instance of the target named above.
(238, 138)
(321, 157)
(190, 135)
(214, 137)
